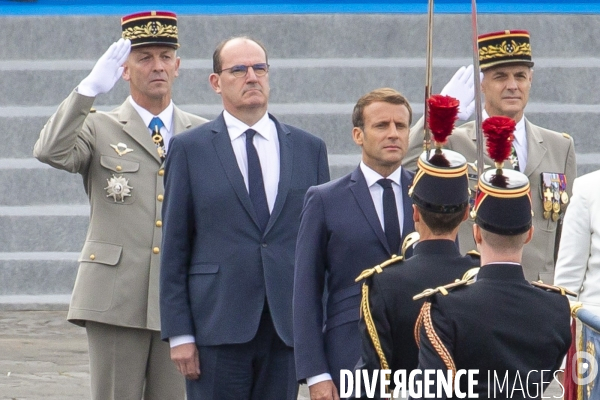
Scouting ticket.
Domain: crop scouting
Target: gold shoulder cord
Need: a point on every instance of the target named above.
(440, 349)
(371, 326)
(366, 310)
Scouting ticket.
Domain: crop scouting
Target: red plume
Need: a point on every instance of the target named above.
(499, 133)
(443, 112)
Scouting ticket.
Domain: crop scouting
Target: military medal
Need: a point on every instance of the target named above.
(554, 216)
(564, 197)
(547, 203)
(556, 206)
(121, 148)
(158, 141)
(118, 188)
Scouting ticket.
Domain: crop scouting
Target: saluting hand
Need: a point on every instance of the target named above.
(187, 360)
(107, 71)
(461, 87)
(324, 390)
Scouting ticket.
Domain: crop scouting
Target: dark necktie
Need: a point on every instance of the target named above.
(155, 125)
(390, 216)
(256, 185)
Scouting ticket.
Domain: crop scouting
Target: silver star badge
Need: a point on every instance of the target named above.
(118, 188)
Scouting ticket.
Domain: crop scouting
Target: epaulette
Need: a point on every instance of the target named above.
(473, 253)
(378, 268)
(467, 279)
(410, 240)
(93, 110)
(566, 135)
(552, 288)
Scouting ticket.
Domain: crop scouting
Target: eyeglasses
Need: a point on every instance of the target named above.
(238, 71)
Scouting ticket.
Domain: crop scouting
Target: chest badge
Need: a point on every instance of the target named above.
(118, 188)
(121, 148)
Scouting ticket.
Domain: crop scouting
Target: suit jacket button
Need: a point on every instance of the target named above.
(156, 250)
(264, 245)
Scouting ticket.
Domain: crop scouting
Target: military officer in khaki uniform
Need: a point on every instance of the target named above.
(120, 157)
(546, 157)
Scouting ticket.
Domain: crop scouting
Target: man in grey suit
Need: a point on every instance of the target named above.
(234, 189)
(546, 157)
(120, 157)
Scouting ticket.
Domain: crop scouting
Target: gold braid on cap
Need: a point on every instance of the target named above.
(434, 339)
(151, 29)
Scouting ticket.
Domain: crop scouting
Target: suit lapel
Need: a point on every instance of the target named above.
(358, 186)
(536, 151)
(286, 157)
(222, 144)
(134, 126)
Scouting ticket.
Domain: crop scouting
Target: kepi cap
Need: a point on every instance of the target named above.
(151, 28)
(504, 47)
(441, 187)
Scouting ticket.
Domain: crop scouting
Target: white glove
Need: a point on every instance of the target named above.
(461, 88)
(107, 71)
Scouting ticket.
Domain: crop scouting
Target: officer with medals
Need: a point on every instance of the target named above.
(120, 156)
(500, 324)
(546, 157)
(440, 195)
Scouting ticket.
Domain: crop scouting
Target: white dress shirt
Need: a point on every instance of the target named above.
(520, 142)
(376, 191)
(166, 116)
(267, 147)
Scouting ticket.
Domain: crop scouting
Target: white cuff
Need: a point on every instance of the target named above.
(182, 339)
(318, 378)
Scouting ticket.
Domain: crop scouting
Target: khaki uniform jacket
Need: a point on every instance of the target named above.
(118, 278)
(547, 151)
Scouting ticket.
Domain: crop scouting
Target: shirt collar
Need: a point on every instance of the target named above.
(166, 115)
(372, 177)
(236, 128)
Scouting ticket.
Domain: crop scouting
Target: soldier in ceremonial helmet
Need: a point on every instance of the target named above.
(501, 324)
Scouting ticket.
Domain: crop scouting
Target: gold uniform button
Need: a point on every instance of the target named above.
(161, 172)
(118, 168)
(160, 197)
(156, 250)
(159, 223)
(92, 257)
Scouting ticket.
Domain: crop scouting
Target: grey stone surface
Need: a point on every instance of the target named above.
(44, 357)
(34, 277)
(343, 82)
(42, 233)
(41, 186)
(312, 36)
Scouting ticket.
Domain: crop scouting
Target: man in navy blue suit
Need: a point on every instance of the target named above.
(348, 225)
(233, 197)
